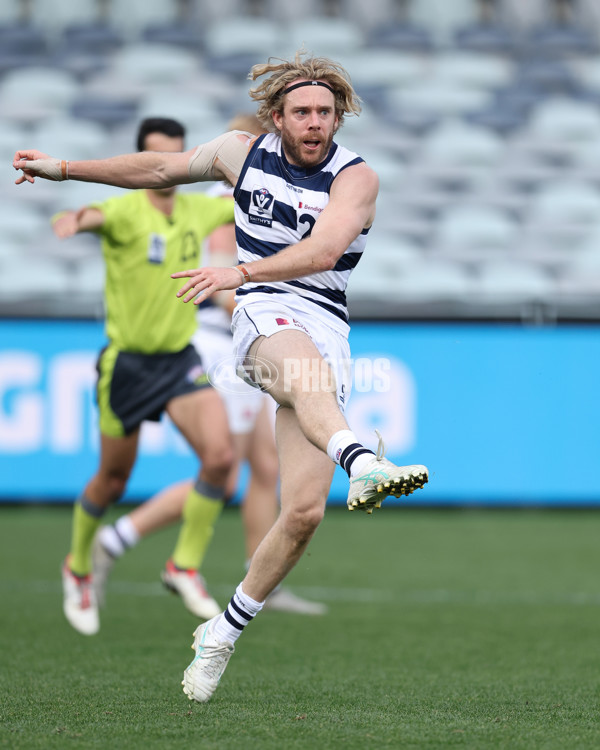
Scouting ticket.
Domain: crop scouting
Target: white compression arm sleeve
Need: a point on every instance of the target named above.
(228, 148)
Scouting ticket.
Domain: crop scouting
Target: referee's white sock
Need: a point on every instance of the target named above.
(120, 537)
(345, 449)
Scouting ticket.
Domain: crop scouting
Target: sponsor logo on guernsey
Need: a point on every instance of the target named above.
(261, 207)
(282, 322)
(306, 207)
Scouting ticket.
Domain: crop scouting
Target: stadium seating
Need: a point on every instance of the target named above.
(470, 70)
(85, 48)
(472, 232)
(195, 112)
(22, 44)
(88, 276)
(109, 112)
(558, 39)
(154, 64)
(382, 68)
(97, 37)
(75, 138)
(49, 92)
(10, 135)
(10, 12)
(77, 194)
(134, 17)
(55, 16)
(245, 35)
(458, 145)
(14, 276)
(485, 38)
(403, 35)
(177, 33)
(429, 280)
(20, 224)
(482, 120)
(443, 17)
(437, 98)
(502, 282)
(330, 37)
(367, 15)
(560, 123)
(205, 12)
(581, 277)
(384, 257)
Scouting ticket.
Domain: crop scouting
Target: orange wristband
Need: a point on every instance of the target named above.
(245, 273)
(64, 169)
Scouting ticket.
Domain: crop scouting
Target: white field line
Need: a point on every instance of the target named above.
(348, 595)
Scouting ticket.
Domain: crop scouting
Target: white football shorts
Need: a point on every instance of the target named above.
(260, 318)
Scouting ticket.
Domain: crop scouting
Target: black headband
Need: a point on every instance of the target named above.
(307, 83)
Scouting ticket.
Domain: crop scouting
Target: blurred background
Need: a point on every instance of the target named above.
(480, 286)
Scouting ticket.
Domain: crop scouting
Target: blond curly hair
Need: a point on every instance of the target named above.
(269, 93)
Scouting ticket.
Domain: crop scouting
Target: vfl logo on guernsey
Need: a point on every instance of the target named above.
(261, 207)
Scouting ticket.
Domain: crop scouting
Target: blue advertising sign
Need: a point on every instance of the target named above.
(501, 414)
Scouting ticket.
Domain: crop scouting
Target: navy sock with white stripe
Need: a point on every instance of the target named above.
(345, 450)
(240, 611)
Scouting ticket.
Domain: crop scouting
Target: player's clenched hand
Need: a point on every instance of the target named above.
(37, 164)
(205, 281)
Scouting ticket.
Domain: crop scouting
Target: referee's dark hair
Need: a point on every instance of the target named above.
(162, 125)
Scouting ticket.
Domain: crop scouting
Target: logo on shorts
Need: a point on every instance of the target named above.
(197, 376)
(294, 322)
(298, 324)
(261, 207)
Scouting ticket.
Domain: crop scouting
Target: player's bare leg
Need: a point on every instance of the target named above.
(314, 401)
(306, 474)
(260, 506)
(372, 477)
(260, 509)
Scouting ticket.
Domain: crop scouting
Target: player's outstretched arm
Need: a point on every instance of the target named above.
(219, 159)
(146, 169)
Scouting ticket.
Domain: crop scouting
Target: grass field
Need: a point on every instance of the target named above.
(470, 629)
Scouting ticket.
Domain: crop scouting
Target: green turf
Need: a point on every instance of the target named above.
(446, 629)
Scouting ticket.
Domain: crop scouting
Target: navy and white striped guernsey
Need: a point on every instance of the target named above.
(277, 205)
